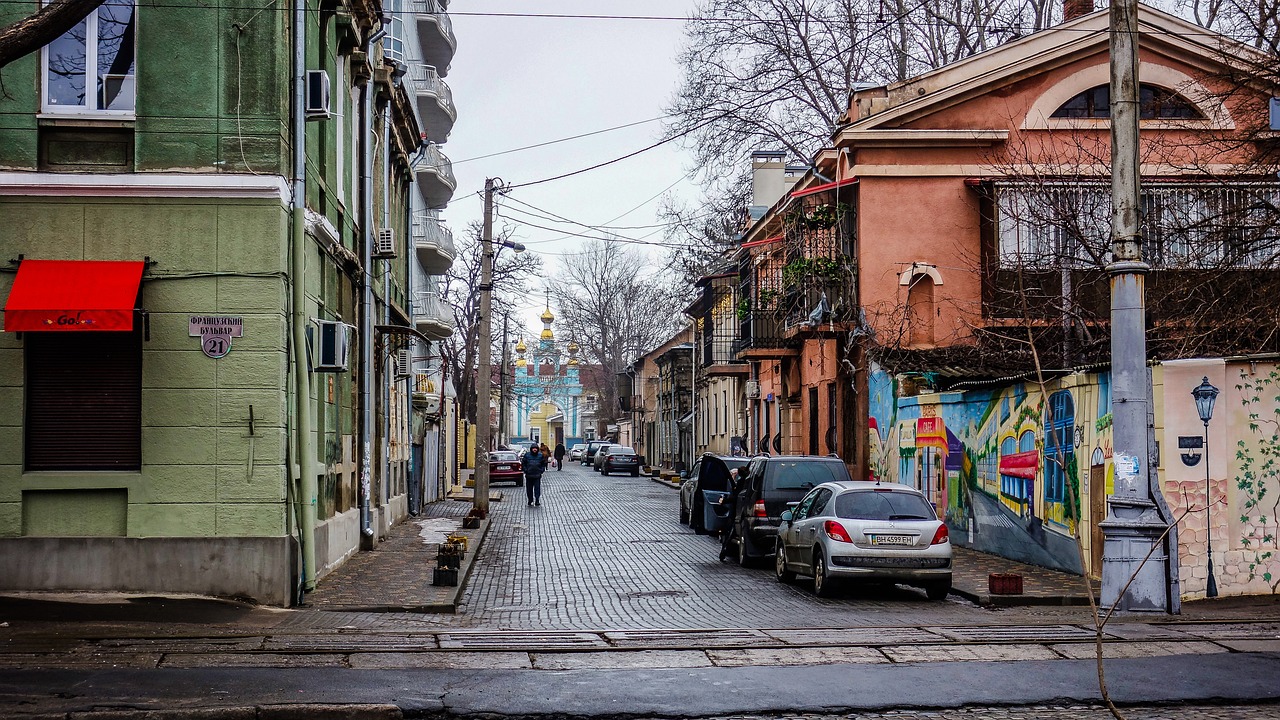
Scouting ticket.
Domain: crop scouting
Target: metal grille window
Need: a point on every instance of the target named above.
(83, 401)
(1184, 225)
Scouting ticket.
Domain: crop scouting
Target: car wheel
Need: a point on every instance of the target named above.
(744, 558)
(938, 591)
(780, 570)
(684, 515)
(821, 583)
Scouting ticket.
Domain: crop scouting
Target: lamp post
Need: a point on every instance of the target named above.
(1205, 395)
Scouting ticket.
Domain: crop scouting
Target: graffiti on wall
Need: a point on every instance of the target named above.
(1009, 470)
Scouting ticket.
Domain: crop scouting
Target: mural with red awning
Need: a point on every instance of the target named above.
(73, 295)
(1021, 465)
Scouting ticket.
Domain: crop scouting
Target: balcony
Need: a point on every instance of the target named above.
(435, 33)
(435, 177)
(435, 102)
(431, 317)
(427, 388)
(434, 243)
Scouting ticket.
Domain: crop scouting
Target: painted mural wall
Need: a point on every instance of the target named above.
(1011, 472)
(1015, 473)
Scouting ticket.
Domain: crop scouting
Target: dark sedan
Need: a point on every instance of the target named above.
(504, 466)
(618, 458)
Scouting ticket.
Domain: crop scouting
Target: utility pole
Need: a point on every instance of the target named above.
(1134, 520)
(502, 384)
(484, 382)
(484, 399)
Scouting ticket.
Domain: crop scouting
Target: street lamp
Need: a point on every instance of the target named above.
(1205, 395)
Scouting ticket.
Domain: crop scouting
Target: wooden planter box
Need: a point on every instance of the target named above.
(443, 576)
(1004, 583)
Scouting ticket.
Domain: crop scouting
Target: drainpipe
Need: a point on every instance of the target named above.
(366, 303)
(388, 377)
(305, 443)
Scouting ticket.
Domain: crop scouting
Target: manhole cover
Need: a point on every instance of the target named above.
(656, 594)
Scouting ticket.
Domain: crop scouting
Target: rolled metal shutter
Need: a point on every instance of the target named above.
(84, 401)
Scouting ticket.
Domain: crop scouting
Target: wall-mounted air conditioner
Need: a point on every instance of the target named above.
(318, 95)
(753, 389)
(330, 346)
(384, 244)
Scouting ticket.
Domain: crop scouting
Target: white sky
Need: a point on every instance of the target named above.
(520, 81)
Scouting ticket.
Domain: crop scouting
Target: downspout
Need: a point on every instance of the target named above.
(305, 443)
(366, 304)
(388, 378)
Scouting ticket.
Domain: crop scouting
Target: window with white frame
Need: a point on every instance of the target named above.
(90, 68)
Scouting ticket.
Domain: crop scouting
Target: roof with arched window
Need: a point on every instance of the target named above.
(1156, 103)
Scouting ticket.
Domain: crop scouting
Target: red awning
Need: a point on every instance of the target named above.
(824, 186)
(77, 295)
(1022, 465)
(765, 241)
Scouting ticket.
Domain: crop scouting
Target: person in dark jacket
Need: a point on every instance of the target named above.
(729, 534)
(560, 452)
(534, 463)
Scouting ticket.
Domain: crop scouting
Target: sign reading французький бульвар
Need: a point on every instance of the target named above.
(215, 332)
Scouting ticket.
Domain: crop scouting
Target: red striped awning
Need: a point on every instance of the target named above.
(766, 241)
(824, 187)
(1022, 465)
(73, 295)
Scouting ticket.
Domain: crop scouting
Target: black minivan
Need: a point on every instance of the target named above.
(589, 455)
(770, 485)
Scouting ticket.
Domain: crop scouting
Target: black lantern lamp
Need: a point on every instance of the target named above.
(1205, 395)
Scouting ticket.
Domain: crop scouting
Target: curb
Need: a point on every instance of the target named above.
(667, 483)
(300, 711)
(989, 600)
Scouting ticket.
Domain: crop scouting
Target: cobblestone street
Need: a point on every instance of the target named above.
(609, 553)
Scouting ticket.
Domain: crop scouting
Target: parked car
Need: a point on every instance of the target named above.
(598, 458)
(864, 531)
(589, 455)
(771, 484)
(575, 452)
(707, 482)
(619, 458)
(504, 466)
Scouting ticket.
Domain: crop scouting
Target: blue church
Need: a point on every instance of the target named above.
(548, 404)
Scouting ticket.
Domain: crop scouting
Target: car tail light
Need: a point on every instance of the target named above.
(941, 536)
(759, 510)
(836, 532)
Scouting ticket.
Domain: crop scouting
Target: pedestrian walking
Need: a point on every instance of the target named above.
(533, 463)
(560, 452)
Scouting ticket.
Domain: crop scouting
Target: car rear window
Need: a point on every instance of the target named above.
(503, 457)
(621, 451)
(883, 505)
(803, 474)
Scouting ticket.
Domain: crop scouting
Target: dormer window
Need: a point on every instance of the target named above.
(1157, 103)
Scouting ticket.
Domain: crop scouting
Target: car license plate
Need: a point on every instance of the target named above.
(892, 540)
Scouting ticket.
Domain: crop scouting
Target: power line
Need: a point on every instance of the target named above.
(563, 139)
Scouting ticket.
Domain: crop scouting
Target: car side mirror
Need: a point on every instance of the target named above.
(786, 515)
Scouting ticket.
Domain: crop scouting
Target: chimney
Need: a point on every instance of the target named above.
(1072, 9)
(768, 180)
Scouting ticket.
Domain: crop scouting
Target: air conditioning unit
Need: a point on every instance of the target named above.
(753, 389)
(330, 346)
(404, 363)
(384, 244)
(318, 95)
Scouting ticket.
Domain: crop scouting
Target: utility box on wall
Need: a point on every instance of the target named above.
(330, 346)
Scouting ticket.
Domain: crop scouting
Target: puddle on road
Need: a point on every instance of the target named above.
(433, 531)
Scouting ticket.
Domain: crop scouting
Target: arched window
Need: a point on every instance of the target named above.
(1157, 103)
(920, 307)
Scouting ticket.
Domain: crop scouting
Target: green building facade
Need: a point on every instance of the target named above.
(160, 447)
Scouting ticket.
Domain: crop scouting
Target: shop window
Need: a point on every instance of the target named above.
(83, 407)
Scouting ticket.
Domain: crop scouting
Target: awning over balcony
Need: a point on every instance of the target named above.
(73, 295)
(824, 187)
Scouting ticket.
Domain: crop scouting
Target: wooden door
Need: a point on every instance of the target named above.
(1097, 513)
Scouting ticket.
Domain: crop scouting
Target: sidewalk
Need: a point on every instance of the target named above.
(396, 575)
(1040, 586)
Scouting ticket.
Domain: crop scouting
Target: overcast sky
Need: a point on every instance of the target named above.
(520, 81)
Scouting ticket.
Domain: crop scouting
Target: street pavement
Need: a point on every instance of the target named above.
(600, 604)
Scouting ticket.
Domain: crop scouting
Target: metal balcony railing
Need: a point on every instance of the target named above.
(434, 101)
(431, 317)
(435, 32)
(434, 243)
(435, 176)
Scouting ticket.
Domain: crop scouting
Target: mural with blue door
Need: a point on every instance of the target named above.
(1000, 463)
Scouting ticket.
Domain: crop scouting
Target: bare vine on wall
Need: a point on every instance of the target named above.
(1258, 458)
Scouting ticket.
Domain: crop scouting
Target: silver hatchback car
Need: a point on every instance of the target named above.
(864, 531)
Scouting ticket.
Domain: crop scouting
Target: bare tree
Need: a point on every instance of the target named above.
(460, 290)
(41, 28)
(613, 311)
